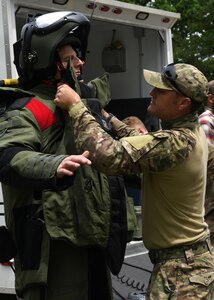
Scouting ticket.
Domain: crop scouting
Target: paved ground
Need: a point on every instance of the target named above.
(132, 281)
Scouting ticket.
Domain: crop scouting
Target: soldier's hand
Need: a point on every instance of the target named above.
(71, 163)
(66, 97)
(105, 114)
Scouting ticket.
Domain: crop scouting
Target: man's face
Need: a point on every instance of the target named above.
(165, 104)
(67, 52)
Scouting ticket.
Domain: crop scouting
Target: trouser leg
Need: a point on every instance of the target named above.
(100, 286)
(34, 293)
(67, 274)
(178, 279)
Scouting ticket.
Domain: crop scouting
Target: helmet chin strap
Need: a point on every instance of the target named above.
(68, 76)
(80, 78)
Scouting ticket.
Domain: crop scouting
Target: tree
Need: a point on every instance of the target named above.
(193, 34)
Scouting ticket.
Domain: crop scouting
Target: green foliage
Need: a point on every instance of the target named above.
(193, 34)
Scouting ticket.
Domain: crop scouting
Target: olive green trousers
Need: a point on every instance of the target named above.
(74, 274)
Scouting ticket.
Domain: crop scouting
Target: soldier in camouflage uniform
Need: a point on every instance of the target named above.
(68, 231)
(174, 166)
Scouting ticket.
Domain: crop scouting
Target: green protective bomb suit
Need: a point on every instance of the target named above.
(44, 214)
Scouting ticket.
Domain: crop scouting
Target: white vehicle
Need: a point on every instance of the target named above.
(124, 39)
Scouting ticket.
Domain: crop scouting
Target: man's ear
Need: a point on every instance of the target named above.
(59, 66)
(210, 100)
(185, 103)
(142, 130)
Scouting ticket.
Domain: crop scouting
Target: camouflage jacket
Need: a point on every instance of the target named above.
(174, 166)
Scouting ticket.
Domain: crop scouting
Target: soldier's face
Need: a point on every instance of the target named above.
(67, 52)
(165, 104)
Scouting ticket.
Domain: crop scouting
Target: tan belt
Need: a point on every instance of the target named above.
(186, 252)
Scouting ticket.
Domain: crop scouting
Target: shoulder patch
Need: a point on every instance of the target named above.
(140, 141)
(42, 113)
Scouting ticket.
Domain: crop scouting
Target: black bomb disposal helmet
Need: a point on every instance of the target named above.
(35, 52)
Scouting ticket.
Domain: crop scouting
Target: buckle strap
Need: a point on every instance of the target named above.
(187, 252)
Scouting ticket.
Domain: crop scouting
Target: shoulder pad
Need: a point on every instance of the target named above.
(7, 93)
(102, 87)
(8, 97)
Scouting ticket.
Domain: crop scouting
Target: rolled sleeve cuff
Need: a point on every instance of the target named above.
(77, 109)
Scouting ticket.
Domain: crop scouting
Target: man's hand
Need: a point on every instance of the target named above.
(105, 114)
(71, 163)
(66, 97)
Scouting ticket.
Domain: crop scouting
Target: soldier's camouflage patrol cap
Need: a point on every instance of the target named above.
(182, 78)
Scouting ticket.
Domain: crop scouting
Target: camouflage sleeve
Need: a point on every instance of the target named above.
(134, 154)
(21, 162)
(161, 150)
(107, 154)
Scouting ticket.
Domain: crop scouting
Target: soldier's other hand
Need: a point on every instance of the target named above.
(105, 114)
(71, 163)
(66, 97)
